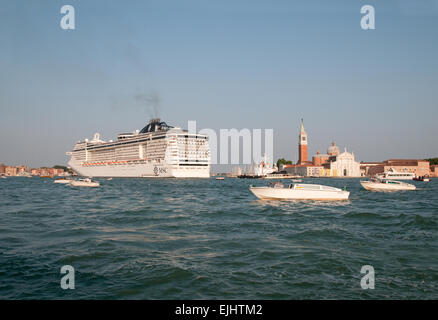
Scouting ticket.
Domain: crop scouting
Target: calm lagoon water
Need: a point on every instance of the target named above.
(209, 239)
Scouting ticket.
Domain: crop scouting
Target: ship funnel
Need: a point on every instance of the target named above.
(155, 125)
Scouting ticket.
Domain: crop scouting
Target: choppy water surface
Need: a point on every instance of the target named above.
(209, 239)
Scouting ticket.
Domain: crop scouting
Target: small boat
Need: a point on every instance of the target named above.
(280, 175)
(297, 180)
(376, 184)
(3, 177)
(62, 180)
(109, 179)
(422, 178)
(50, 177)
(278, 191)
(84, 183)
(220, 178)
(249, 176)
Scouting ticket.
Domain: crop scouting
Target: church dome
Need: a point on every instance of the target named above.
(333, 150)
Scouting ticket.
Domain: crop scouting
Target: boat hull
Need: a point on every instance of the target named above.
(372, 186)
(84, 184)
(422, 179)
(267, 193)
(62, 181)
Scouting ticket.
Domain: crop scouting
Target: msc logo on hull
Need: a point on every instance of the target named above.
(158, 171)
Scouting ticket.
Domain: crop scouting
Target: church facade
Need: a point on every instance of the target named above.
(345, 165)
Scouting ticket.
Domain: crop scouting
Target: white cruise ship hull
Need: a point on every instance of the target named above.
(140, 170)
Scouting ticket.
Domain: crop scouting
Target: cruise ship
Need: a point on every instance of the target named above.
(158, 150)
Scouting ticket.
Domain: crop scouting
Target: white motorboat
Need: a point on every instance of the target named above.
(386, 185)
(62, 180)
(84, 183)
(220, 178)
(392, 174)
(299, 191)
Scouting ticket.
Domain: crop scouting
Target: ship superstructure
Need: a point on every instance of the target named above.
(158, 150)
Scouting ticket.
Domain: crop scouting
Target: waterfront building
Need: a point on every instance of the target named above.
(366, 166)
(10, 171)
(304, 170)
(302, 145)
(337, 164)
(303, 167)
(418, 166)
(27, 171)
(320, 159)
(434, 170)
(22, 170)
(47, 172)
(328, 172)
(345, 165)
(333, 150)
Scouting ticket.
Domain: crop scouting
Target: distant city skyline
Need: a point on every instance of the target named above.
(226, 64)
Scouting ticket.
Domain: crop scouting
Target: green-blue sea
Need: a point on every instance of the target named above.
(211, 239)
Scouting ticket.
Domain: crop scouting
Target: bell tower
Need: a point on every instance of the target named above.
(302, 145)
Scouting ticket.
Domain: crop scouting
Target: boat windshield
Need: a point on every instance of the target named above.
(308, 186)
(276, 185)
(390, 182)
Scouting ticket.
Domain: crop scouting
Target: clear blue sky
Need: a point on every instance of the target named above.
(227, 64)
